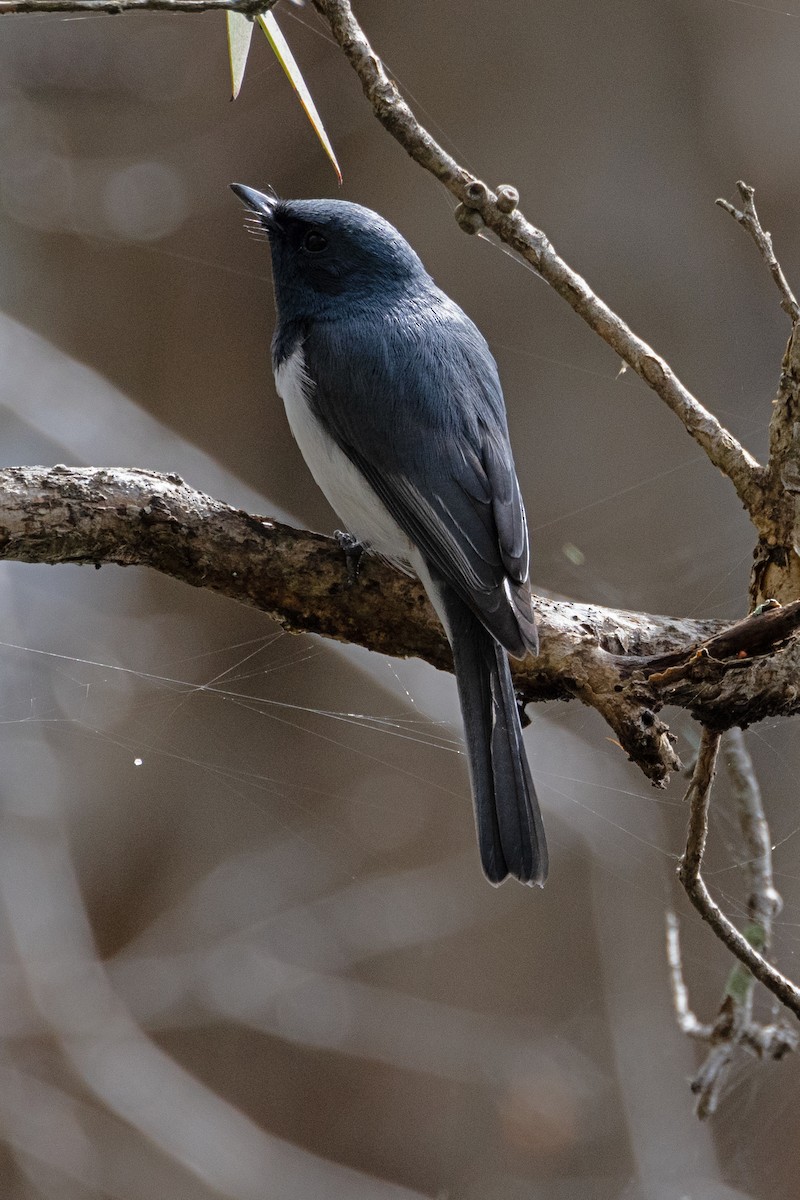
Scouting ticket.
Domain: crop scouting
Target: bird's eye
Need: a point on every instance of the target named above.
(314, 241)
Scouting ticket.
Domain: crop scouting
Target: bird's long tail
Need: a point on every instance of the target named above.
(509, 824)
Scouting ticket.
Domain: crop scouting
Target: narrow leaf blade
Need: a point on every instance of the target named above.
(285, 57)
(240, 30)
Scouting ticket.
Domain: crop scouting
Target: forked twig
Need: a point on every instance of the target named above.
(748, 218)
(689, 874)
(734, 1026)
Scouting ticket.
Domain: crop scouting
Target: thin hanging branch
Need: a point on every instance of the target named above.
(689, 873)
(776, 563)
(734, 1028)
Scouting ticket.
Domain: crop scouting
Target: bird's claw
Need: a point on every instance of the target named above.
(524, 719)
(352, 550)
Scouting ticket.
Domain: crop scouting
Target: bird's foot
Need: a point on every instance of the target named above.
(524, 719)
(353, 550)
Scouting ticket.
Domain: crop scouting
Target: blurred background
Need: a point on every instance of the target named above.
(247, 949)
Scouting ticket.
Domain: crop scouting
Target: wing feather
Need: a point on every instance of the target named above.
(413, 398)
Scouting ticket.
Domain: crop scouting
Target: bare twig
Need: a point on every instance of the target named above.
(724, 451)
(776, 563)
(687, 1021)
(734, 1026)
(247, 7)
(479, 205)
(697, 798)
(749, 219)
(689, 873)
(763, 901)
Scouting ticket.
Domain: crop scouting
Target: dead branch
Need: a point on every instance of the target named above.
(748, 218)
(776, 563)
(689, 873)
(734, 1027)
(603, 657)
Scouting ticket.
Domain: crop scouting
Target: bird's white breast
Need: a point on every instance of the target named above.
(350, 496)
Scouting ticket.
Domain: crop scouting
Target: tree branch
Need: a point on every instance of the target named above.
(748, 218)
(611, 660)
(688, 1022)
(131, 517)
(497, 211)
(689, 873)
(734, 1027)
(735, 676)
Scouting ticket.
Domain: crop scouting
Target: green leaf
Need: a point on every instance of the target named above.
(285, 57)
(240, 30)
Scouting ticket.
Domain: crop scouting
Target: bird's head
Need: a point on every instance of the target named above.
(329, 252)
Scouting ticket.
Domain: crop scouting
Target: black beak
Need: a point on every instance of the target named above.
(257, 201)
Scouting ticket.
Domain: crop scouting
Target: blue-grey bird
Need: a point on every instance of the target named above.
(395, 402)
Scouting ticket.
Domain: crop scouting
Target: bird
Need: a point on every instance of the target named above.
(395, 402)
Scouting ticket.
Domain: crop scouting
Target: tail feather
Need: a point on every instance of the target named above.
(509, 824)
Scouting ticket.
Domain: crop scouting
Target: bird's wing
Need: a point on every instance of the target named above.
(413, 398)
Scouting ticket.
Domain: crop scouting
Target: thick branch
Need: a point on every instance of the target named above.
(609, 659)
(132, 517)
(734, 677)
(497, 212)
(731, 1030)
